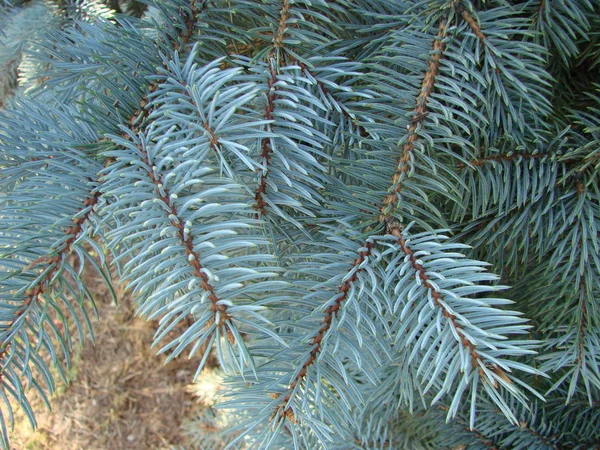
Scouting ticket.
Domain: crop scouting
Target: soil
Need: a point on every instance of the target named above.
(121, 394)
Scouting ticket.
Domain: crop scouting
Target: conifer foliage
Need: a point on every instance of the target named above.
(334, 196)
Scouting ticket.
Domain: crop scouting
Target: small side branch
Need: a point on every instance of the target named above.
(220, 315)
(284, 16)
(483, 439)
(582, 315)
(582, 321)
(489, 441)
(418, 117)
(191, 19)
(579, 186)
(395, 229)
(317, 339)
(266, 149)
(53, 264)
(525, 426)
(475, 28)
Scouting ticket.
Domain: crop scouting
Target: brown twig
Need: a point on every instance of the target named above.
(266, 149)
(284, 15)
(467, 17)
(395, 229)
(34, 293)
(418, 117)
(285, 409)
(187, 241)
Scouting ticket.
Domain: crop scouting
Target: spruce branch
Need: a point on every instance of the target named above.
(266, 148)
(485, 440)
(40, 287)
(473, 25)
(284, 410)
(501, 64)
(190, 14)
(51, 265)
(493, 440)
(570, 347)
(360, 129)
(221, 319)
(420, 113)
(560, 26)
(36, 295)
(284, 16)
(395, 229)
(266, 173)
(190, 19)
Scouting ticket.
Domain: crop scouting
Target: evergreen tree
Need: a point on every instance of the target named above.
(334, 195)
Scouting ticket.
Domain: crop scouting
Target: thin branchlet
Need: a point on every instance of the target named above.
(491, 441)
(135, 122)
(284, 16)
(140, 116)
(214, 139)
(265, 144)
(579, 187)
(483, 439)
(582, 323)
(53, 264)
(467, 17)
(525, 426)
(395, 229)
(187, 241)
(417, 120)
(190, 20)
(582, 316)
(419, 115)
(285, 409)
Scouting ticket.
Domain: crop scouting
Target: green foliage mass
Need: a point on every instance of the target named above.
(333, 195)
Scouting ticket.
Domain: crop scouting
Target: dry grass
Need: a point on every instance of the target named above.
(121, 395)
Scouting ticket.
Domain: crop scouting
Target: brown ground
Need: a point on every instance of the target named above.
(121, 394)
